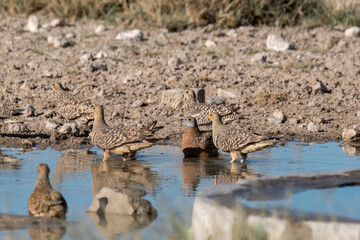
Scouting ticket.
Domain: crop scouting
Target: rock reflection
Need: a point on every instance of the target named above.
(47, 233)
(9, 162)
(194, 170)
(122, 174)
(72, 161)
(114, 224)
(352, 149)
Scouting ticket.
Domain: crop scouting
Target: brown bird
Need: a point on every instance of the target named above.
(72, 107)
(196, 143)
(231, 138)
(200, 110)
(44, 201)
(125, 141)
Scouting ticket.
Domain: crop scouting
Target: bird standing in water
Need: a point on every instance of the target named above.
(125, 141)
(196, 143)
(44, 201)
(233, 139)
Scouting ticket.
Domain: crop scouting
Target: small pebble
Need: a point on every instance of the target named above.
(279, 115)
(101, 54)
(86, 58)
(135, 34)
(100, 29)
(51, 125)
(173, 61)
(352, 32)
(210, 43)
(137, 103)
(33, 24)
(29, 111)
(312, 127)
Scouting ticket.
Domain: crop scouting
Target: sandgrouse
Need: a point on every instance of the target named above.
(231, 138)
(44, 201)
(125, 141)
(199, 111)
(196, 143)
(72, 107)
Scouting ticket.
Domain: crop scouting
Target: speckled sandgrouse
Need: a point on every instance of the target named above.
(44, 200)
(196, 143)
(200, 110)
(231, 138)
(125, 141)
(72, 107)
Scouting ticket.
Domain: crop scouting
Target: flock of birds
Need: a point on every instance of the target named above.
(224, 135)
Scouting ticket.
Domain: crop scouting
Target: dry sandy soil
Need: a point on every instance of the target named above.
(142, 70)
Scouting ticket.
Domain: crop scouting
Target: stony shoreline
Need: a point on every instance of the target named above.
(313, 84)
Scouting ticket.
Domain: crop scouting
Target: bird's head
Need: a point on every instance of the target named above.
(214, 116)
(56, 86)
(43, 168)
(190, 122)
(189, 94)
(98, 110)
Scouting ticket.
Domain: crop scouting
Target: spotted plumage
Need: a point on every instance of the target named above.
(125, 141)
(72, 107)
(200, 110)
(196, 143)
(44, 201)
(233, 139)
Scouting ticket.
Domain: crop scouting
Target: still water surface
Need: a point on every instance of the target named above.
(170, 181)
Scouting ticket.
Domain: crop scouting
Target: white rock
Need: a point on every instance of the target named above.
(100, 29)
(173, 61)
(232, 33)
(280, 115)
(225, 93)
(32, 24)
(121, 203)
(29, 111)
(137, 103)
(70, 35)
(258, 58)
(69, 128)
(135, 34)
(86, 58)
(51, 125)
(352, 32)
(276, 43)
(57, 22)
(210, 43)
(50, 39)
(101, 54)
(312, 127)
(60, 42)
(351, 134)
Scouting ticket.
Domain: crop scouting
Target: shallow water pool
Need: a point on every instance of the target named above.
(170, 181)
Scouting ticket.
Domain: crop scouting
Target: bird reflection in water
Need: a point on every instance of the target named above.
(47, 233)
(9, 162)
(122, 174)
(195, 169)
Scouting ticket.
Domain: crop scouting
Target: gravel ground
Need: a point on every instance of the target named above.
(131, 77)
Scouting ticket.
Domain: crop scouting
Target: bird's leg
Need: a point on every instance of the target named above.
(234, 156)
(107, 155)
(243, 156)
